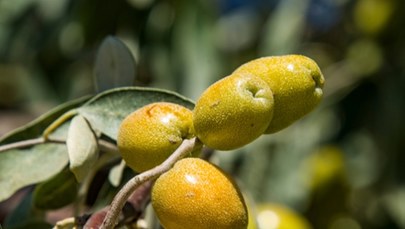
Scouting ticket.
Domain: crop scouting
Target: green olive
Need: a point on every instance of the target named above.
(233, 112)
(296, 82)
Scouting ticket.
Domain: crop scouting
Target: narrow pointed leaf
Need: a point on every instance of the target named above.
(82, 147)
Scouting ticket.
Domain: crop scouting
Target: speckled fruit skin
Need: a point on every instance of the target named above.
(195, 194)
(233, 112)
(150, 134)
(296, 82)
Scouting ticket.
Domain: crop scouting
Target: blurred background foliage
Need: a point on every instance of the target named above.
(342, 166)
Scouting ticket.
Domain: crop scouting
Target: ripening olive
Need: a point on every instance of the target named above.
(233, 112)
(196, 194)
(296, 82)
(150, 134)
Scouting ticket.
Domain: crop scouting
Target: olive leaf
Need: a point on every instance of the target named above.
(21, 213)
(32, 224)
(115, 175)
(22, 167)
(106, 111)
(56, 192)
(114, 66)
(36, 127)
(82, 147)
(24, 215)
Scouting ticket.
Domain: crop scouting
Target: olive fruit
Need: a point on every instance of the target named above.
(296, 82)
(233, 112)
(196, 194)
(150, 134)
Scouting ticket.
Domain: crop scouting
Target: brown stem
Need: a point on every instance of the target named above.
(131, 212)
(22, 144)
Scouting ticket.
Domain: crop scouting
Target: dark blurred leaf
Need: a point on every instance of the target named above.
(106, 191)
(56, 192)
(32, 224)
(115, 65)
(21, 213)
(106, 111)
(36, 127)
(22, 167)
(82, 147)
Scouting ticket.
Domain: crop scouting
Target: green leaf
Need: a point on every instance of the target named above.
(106, 111)
(61, 132)
(22, 212)
(36, 127)
(115, 175)
(22, 167)
(57, 192)
(32, 224)
(82, 147)
(114, 66)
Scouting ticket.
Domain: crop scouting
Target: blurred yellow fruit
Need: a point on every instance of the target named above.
(275, 216)
(326, 166)
(371, 16)
(233, 112)
(150, 134)
(195, 194)
(296, 82)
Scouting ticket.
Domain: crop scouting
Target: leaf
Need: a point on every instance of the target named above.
(21, 213)
(24, 215)
(36, 127)
(22, 167)
(32, 224)
(106, 111)
(61, 132)
(114, 66)
(82, 147)
(57, 192)
(115, 175)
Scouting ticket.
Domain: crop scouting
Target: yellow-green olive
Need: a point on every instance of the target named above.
(233, 112)
(296, 82)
